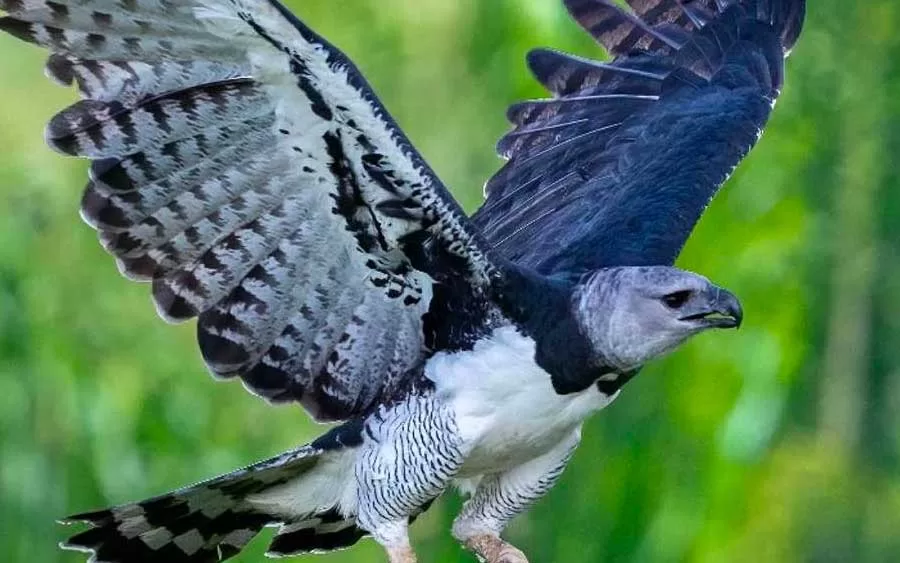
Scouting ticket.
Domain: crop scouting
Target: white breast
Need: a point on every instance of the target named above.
(506, 408)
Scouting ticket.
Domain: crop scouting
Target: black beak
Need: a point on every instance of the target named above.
(716, 308)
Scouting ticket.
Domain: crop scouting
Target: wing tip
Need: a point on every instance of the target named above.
(60, 69)
(66, 145)
(792, 27)
(222, 356)
(171, 305)
(17, 28)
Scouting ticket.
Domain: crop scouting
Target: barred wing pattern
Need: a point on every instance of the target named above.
(243, 165)
(618, 166)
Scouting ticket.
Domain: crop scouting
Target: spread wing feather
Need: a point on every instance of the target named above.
(618, 166)
(243, 167)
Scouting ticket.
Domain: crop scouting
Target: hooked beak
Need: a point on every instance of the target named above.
(716, 308)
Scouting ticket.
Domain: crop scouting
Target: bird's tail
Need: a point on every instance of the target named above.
(301, 491)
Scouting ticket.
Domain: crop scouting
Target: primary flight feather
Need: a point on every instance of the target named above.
(243, 166)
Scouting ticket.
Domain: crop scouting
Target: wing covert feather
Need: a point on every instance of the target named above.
(243, 166)
(617, 167)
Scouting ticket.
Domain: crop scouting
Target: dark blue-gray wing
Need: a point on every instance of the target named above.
(243, 166)
(617, 168)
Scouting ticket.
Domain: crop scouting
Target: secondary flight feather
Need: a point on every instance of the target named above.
(243, 167)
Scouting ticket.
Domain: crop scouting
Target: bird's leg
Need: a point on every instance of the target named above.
(403, 554)
(482, 536)
(408, 457)
(491, 549)
(394, 538)
(500, 497)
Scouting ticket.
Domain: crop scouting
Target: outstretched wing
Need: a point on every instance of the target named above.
(243, 165)
(618, 166)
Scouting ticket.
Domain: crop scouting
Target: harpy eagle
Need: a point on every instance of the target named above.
(243, 166)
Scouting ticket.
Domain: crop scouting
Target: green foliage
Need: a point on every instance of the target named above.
(780, 442)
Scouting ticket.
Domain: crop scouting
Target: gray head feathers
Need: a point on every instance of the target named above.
(633, 315)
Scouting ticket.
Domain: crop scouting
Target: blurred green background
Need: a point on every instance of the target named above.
(780, 442)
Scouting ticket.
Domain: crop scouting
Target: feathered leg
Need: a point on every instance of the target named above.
(413, 450)
(502, 496)
(394, 537)
(401, 555)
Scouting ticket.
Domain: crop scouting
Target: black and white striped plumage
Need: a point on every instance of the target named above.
(243, 166)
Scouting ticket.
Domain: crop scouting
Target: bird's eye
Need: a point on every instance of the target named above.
(677, 299)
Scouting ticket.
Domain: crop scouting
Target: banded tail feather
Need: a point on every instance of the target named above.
(299, 492)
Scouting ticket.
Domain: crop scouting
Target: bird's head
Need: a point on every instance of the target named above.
(631, 315)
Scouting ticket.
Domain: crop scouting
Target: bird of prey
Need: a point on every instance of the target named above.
(243, 167)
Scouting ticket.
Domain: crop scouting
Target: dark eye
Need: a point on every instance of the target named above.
(677, 299)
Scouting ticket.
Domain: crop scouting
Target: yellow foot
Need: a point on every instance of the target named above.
(491, 549)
